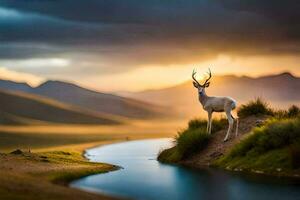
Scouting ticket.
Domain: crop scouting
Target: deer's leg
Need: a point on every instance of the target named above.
(208, 129)
(210, 122)
(230, 122)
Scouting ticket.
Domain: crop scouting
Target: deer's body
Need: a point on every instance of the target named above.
(215, 104)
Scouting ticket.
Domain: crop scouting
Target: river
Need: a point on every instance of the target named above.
(142, 177)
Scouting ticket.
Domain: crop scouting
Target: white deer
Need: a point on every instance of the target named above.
(215, 104)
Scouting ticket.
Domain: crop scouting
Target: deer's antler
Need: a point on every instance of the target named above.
(209, 74)
(193, 76)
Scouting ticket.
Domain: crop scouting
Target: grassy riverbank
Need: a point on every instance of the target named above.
(45, 175)
(269, 143)
(55, 157)
(190, 140)
(273, 148)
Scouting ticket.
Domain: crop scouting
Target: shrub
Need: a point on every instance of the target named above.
(169, 155)
(293, 111)
(197, 123)
(191, 141)
(295, 155)
(255, 107)
(274, 135)
(217, 124)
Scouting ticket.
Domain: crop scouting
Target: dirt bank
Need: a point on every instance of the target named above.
(216, 147)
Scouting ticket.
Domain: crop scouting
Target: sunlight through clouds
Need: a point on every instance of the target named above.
(20, 77)
(36, 62)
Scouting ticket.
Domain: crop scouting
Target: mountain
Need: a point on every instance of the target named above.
(88, 99)
(280, 90)
(14, 86)
(23, 108)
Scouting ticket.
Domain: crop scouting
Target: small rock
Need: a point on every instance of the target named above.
(278, 169)
(17, 152)
(216, 154)
(43, 157)
(259, 123)
(238, 169)
(257, 171)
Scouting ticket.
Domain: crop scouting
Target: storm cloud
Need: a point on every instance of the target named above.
(118, 35)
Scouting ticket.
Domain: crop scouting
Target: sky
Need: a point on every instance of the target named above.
(114, 45)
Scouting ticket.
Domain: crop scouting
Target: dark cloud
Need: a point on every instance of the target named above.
(123, 34)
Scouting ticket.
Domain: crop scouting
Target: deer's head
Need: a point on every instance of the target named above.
(199, 86)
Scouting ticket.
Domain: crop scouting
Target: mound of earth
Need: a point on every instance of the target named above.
(216, 147)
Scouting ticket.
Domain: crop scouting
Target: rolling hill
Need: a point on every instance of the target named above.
(23, 108)
(280, 89)
(90, 100)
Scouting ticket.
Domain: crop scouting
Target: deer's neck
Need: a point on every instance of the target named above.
(203, 97)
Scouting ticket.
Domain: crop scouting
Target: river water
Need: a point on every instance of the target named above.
(142, 177)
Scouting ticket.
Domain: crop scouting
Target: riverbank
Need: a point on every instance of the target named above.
(214, 148)
(25, 175)
(268, 143)
(217, 154)
(56, 157)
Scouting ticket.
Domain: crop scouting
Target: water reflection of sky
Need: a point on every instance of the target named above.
(144, 178)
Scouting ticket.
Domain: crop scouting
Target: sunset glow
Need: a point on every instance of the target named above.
(99, 50)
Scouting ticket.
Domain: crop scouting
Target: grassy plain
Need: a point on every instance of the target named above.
(55, 156)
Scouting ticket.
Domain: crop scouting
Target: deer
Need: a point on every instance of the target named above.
(215, 104)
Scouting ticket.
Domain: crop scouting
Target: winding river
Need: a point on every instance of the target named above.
(142, 177)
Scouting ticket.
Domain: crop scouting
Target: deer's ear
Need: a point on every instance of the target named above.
(195, 84)
(207, 84)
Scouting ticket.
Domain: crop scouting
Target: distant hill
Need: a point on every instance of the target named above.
(280, 90)
(88, 99)
(14, 86)
(22, 108)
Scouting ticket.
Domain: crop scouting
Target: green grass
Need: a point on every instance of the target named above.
(272, 146)
(190, 141)
(292, 112)
(72, 158)
(257, 107)
(31, 175)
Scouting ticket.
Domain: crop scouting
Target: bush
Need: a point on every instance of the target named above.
(255, 107)
(293, 111)
(274, 146)
(274, 135)
(169, 155)
(217, 124)
(195, 137)
(197, 123)
(191, 141)
(295, 155)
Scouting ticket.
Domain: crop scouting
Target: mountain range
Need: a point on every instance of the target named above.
(107, 108)
(64, 102)
(18, 108)
(280, 90)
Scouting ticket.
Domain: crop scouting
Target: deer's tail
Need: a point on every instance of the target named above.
(237, 125)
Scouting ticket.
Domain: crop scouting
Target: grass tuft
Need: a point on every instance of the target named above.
(257, 107)
(277, 143)
(191, 140)
(293, 111)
